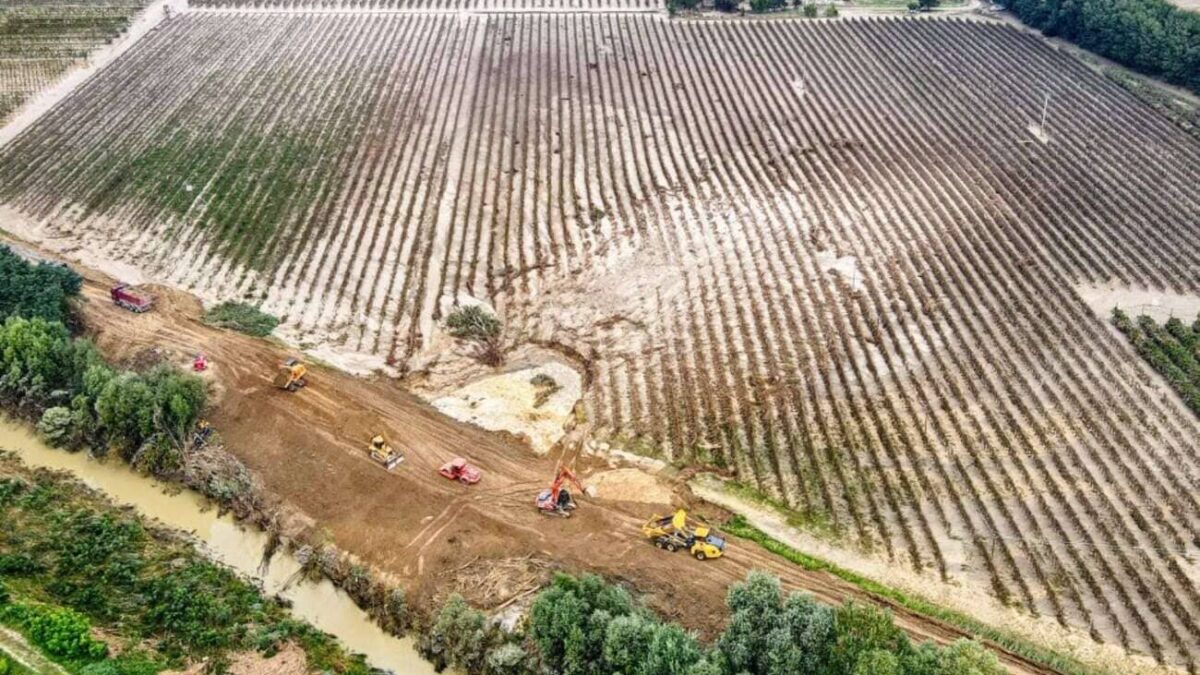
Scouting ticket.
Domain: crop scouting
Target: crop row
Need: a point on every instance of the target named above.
(342, 5)
(39, 41)
(829, 255)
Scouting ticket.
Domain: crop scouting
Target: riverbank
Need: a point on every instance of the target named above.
(165, 602)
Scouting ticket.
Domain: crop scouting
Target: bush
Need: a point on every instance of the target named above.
(57, 427)
(35, 291)
(241, 317)
(809, 10)
(831, 11)
(60, 632)
(507, 659)
(725, 5)
(472, 322)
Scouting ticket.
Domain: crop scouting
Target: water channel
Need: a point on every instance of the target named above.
(321, 604)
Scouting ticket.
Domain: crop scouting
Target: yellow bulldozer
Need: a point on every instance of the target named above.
(290, 375)
(676, 532)
(383, 453)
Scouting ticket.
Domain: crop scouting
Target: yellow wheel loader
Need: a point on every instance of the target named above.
(675, 532)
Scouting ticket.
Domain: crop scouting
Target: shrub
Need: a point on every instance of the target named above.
(241, 317)
(472, 322)
(62, 633)
(4, 667)
(831, 11)
(200, 607)
(57, 426)
(546, 387)
(507, 659)
(809, 10)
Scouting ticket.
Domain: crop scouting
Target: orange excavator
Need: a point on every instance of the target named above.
(557, 500)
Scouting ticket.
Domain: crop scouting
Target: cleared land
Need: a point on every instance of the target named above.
(830, 255)
(40, 40)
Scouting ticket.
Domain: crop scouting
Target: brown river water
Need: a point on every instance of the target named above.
(222, 539)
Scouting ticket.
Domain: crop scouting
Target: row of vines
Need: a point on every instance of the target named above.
(39, 41)
(828, 255)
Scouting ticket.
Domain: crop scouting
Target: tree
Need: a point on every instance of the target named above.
(458, 637)
(672, 651)
(755, 608)
(569, 621)
(860, 629)
(878, 662)
(35, 291)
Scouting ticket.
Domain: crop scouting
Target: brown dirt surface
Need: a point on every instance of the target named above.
(309, 449)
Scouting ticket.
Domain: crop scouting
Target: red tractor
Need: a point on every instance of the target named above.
(124, 295)
(458, 469)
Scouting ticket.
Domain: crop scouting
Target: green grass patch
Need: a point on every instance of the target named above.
(241, 317)
(739, 526)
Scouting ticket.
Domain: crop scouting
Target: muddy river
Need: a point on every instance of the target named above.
(222, 539)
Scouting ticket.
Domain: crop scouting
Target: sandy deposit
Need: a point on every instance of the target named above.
(1160, 305)
(505, 402)
(629, 485)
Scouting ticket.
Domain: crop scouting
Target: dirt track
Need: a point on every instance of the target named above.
(308, 449)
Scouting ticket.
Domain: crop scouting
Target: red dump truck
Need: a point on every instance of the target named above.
(124, 295)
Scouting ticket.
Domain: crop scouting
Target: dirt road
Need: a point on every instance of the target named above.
(433, 535)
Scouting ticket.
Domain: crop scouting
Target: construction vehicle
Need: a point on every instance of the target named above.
(676, 532)
(460, 470)
(383, 453)
(124, 295)
(291, 375)
(557, 500)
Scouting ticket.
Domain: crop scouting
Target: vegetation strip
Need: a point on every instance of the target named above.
(739, 526)
(72, 563)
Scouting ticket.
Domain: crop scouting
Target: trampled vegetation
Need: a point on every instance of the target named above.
(850, 286)
(70, 562)
(40, 40)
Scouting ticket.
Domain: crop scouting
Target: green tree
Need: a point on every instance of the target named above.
(672, 651)
(40, 290)
(860, 629)
(569, 621)
(459, 637)
(878, 662)
(755, 608)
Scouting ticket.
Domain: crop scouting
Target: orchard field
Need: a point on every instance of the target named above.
(829, 255)
(42, 39)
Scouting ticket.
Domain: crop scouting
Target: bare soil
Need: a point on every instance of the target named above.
(429, 533)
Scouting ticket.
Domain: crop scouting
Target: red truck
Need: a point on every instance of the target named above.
(124, 295)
